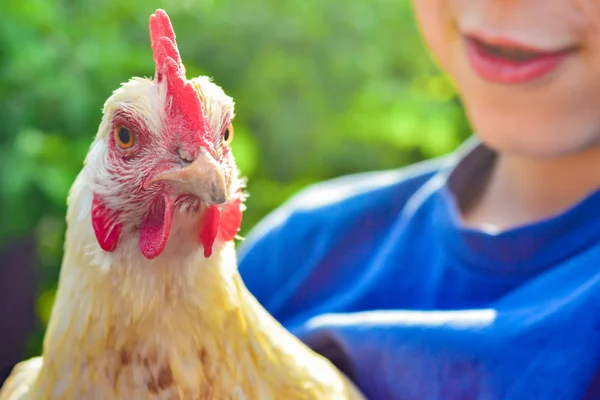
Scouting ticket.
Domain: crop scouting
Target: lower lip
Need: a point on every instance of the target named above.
(505, 71)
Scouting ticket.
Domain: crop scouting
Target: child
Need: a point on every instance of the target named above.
(475, 276)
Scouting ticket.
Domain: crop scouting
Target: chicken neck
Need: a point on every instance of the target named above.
(178, 326)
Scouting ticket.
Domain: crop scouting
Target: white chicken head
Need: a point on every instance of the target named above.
(163, 148)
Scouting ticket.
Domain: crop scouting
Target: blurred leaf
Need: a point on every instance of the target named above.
(44, 305)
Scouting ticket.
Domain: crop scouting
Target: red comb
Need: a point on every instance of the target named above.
(184, 111)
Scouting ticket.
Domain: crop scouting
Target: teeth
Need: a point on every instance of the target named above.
(509, 53)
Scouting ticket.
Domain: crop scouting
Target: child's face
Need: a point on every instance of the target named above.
(543, 104)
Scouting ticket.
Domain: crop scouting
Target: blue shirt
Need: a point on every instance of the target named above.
(376, 272)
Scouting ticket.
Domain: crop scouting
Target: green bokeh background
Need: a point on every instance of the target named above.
(323, 88)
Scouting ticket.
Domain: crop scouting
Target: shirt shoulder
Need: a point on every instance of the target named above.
(346, 195)
(340, 214)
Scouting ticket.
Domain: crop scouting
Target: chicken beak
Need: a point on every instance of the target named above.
(203, 178)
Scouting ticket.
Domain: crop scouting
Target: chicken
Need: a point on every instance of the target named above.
(150, 304)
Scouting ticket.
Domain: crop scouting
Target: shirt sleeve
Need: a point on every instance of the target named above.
(321, 240)
(391, 353)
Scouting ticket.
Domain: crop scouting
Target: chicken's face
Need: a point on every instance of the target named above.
(163, 148)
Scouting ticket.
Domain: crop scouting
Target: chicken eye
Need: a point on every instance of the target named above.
(228, 134)
(124, 138)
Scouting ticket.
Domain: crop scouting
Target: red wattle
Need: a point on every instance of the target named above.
(156, 227)
(231, 219)
(102, 223)
(209, 227)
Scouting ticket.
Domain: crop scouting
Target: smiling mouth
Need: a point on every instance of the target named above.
(514, 52)
(508, 53)
(507, 62)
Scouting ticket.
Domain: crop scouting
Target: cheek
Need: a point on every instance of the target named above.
(438, 27)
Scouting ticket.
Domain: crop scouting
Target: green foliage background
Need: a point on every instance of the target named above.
(323, 88)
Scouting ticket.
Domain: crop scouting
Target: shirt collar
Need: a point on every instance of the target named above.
(526, 249)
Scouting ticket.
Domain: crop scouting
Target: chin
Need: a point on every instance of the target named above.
(536, 144)
(519, 130)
